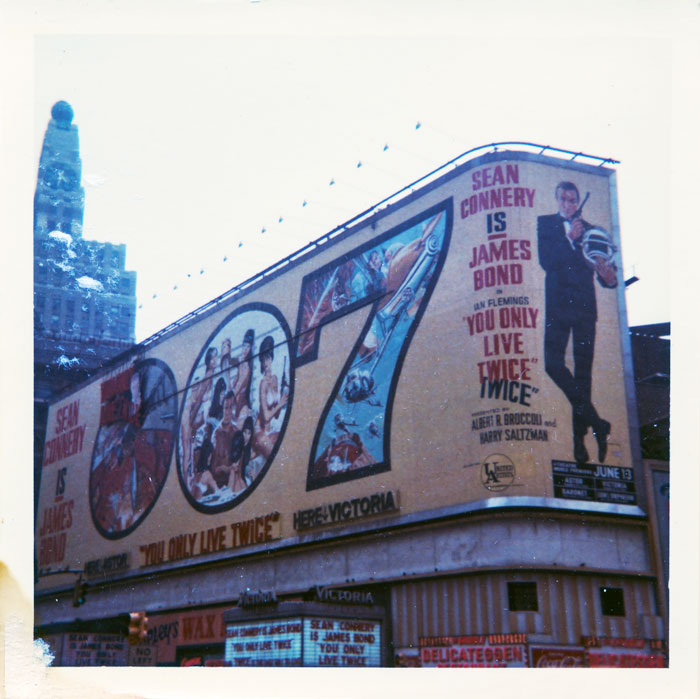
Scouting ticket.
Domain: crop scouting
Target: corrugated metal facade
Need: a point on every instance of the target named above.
(569, 607)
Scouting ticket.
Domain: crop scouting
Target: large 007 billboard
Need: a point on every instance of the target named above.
(460, 350)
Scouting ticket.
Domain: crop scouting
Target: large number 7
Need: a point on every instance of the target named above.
(396, 272)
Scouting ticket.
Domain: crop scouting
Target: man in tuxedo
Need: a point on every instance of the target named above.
(570, 311)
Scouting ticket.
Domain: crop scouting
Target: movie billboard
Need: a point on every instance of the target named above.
(461, 346)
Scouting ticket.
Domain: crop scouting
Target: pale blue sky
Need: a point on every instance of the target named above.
(192, 143)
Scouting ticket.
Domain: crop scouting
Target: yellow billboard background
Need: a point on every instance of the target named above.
(442, 447)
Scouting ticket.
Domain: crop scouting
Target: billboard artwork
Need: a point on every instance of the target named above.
(396, 273)
(544, 323)
(235, 408)
(574, 255)
(463, 345)
(134, 444)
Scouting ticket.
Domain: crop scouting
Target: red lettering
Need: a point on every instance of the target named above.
(499, 275)
(488, 177)
(57, 518)
(52, 549)
(497, 369)
(495, 198)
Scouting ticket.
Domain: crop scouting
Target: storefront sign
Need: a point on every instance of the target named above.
(496, 650)
(623, 652)
(407, 657)
(557, 656)
(345, 510)
(624, 658)
(169, 633)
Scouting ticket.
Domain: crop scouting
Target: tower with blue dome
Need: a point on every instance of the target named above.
(59, 201)
(84, 298)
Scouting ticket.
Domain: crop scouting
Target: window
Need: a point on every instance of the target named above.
(522, 596)
(55, 313)
(612, 601)
(57, 275)
(69, 315)
(84, 318)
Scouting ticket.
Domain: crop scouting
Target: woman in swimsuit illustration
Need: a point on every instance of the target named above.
(241, 385)
(191, 419)
(236, 483)
(271, 402)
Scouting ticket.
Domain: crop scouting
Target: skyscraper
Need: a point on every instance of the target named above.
(84, 299)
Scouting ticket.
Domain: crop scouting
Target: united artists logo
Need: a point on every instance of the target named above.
(497, 472)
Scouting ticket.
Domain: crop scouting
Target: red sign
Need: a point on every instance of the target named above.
(498, 650)
(602, 651)
(557, 656)
(624, 658)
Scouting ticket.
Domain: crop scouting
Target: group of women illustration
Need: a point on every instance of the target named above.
(233, 412)
(236, 404)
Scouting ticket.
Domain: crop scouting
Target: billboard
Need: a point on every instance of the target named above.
(462, 349)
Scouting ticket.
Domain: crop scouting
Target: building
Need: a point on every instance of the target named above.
(84, 299)
(366, 455)
(651, 350)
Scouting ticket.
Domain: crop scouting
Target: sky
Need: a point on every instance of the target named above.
(194, 143)
(203, 121)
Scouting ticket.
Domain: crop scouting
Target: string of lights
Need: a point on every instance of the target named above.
(263, 239)
(376, 206)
